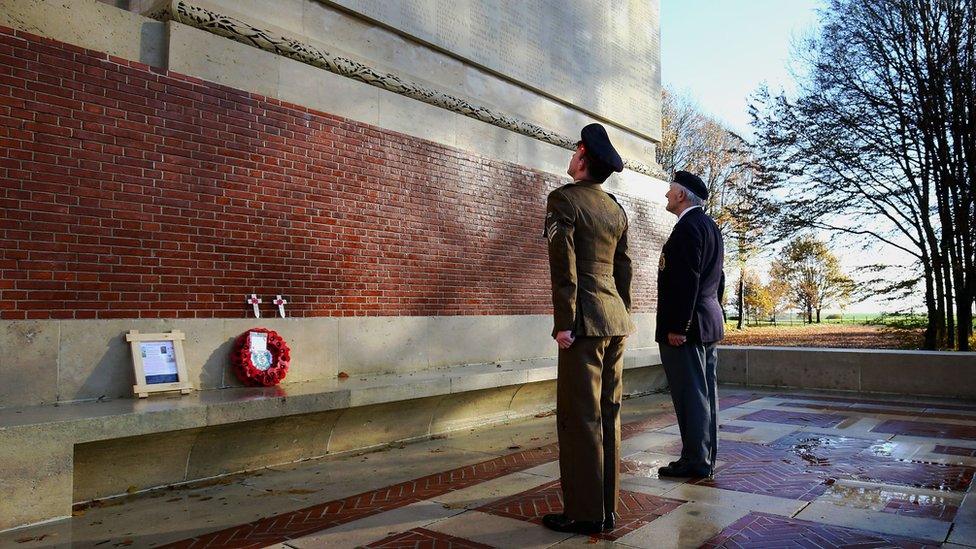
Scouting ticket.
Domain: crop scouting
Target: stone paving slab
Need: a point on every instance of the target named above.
(842, 515)
(421, 537)
(498, 531)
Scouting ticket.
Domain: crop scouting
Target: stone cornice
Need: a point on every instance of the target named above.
(186, 13)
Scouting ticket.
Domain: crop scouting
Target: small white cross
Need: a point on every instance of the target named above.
(280, 302)
(254, 300)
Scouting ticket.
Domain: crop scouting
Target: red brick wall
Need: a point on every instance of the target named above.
(128, 192)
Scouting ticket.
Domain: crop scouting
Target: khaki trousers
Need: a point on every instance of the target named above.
(588, 394)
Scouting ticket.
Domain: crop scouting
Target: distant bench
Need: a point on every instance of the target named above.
(54, 455)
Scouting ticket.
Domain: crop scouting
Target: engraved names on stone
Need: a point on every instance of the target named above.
(600, 55)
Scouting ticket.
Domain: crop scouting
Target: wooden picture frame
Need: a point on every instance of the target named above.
(163, 355)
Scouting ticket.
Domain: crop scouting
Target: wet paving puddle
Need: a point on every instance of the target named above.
(895, 500)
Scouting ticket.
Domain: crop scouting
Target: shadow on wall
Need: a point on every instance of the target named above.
(154, 44)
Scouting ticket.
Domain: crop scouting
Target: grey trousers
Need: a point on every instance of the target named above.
(690, 369)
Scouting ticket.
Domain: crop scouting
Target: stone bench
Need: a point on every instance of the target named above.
(57, 454)
(916, 373)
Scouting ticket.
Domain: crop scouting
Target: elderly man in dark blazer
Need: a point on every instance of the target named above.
(591, 273)
(690, 323)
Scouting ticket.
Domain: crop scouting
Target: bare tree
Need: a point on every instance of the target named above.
(681, 139)
(880, 144)
(737, 183)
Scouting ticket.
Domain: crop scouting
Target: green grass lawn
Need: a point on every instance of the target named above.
(902, 321)
(853, 318)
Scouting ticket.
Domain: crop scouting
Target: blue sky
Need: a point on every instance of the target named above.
(720, 51)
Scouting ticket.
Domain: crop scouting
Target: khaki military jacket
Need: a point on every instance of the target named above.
(589, 263)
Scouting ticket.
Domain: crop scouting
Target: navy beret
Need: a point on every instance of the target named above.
(692, 182)
(597, 143)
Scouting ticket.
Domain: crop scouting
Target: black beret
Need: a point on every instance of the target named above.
(693, 183)
(598, 144)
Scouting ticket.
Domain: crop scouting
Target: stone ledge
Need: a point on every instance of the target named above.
(93, 421)
(883, 371)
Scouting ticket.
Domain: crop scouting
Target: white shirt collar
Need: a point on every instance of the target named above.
(684, 213)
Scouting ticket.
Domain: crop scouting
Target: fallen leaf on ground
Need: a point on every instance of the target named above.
(343, 375)
(301, 491)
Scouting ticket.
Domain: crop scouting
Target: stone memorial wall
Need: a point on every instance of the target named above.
(600, 56)
(158, 170)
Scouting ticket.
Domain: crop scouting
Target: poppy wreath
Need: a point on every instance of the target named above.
(247, 372)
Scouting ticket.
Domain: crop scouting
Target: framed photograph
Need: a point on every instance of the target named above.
(158, 362)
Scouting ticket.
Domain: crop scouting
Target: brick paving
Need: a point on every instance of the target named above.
(768, 479)
(875, 409)
(731, 401)
(764, 530)
(954, 450)
(790, 417)
(859, 400)
(938, 510)
(316, 518)
(926, 429)
(635, 509)
(803, 465)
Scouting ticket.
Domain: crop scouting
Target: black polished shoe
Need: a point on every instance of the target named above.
(684, 471)
(562, 523)
(610, 521)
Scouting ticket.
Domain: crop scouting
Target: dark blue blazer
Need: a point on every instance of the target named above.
(690, 281)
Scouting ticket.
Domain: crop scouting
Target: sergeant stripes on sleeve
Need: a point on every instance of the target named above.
(551, 231)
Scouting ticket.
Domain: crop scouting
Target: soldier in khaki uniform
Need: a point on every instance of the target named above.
(591, 274)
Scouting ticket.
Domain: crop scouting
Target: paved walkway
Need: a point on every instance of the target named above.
(795, 471)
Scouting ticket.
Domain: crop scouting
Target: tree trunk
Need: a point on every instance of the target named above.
(739, 305)
(964, 318)
(948, 339)
(931, 338)
(818, 315)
